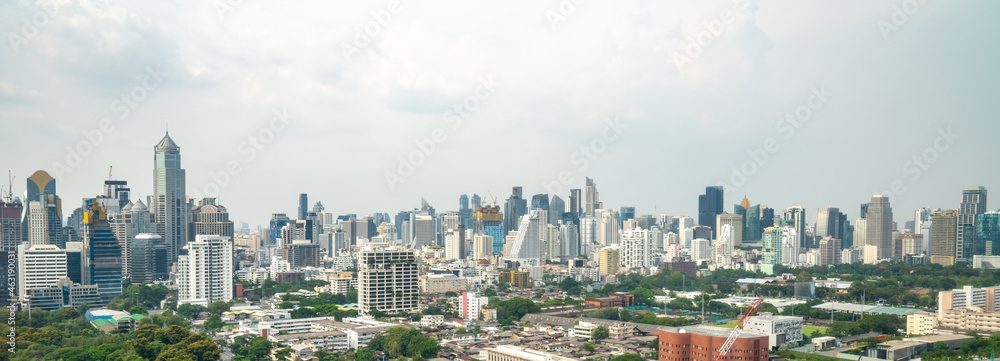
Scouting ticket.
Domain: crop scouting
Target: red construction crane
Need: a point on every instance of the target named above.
(751, 310)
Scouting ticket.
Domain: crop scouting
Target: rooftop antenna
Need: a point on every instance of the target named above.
(9, 196)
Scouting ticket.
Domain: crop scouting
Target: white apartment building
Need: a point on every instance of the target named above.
(205, 271)
(39, 266)
(636, 249)
(387, 281)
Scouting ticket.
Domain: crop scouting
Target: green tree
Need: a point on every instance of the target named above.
(191, 311)
(218, 307)
(589, 347)
(138, 310)
(83, 308)
(629, 357)
(213, 323)
(600, 333)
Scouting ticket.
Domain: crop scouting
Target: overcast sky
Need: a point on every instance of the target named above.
(481, 96)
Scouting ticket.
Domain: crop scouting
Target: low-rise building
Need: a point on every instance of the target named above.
(327, 340)
(921, 323)
(515, 353)
(617, 299)
(441, 283)
(779, 329)
(518, 279)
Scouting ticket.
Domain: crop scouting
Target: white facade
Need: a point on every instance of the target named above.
(39, 266)
(387, 281)
(611, 224)
(482, 246)
(453, 245)
(636, 249)
(205, 273)
(780, 329)
(701, 250)
(789, 246)
(469, 305)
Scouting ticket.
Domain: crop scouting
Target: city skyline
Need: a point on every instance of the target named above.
(334, 125)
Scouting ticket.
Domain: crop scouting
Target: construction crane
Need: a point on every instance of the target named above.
(492, 196)
(751, 310)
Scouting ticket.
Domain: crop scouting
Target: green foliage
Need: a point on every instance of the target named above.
(138, 310)
(570, 286)
(401, 341)
(213, 323)
(191, 311)
(218, 307)
(599, 333)
(629, 357)
(511, 310)
(589, 347)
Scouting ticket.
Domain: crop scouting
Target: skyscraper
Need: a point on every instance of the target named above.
(540, 201)
(205, 271)
(278, 221)
(710, 206)
(574, 201)
(526, 246)
(636, 249)
(569, 233)
(797, 216)
(736, 222)
(209, 218)
(170, 199)
(147, 259)
(513, 209)
(131, 221)
(608, 231)
(102, 255)
(489, 221)
(973, 204)
(10, 225)
(828, 223)
(42, 223)
(556, 209)
(944, 229)
(988, 233)
(303, 205)
(772, 247)
(593, 198)
(878, 224)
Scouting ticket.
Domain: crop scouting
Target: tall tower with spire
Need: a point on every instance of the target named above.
(170, 206)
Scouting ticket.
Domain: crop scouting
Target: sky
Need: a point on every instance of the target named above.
(369, 106)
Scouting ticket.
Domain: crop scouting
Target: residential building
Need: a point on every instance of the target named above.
(387, 281)
(636, 251)
(921, 323)
(205, 271)
(609, 259)
(469, 305)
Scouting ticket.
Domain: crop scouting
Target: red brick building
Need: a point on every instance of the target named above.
(700, 343)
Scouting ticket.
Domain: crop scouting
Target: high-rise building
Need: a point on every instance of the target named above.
(514, 208)
(864, 210)
(301, 253)
(575, 204)
(387, 281)
(751, 220)
(710, 206)
(39, 266)
(556, 209)
(829, 251)
(424, 233)
(482, 246)
(454, 245)
(205, 271)
(278, 221)
(147, 259)
(829, 223)
(303, 205)
(209, 218)
(797, 217)
(540, 201)
(170, 205)
(526, 245)
(878, 226)
(10, 225)
(609, 228)
(628, 213)
(609, 260)
(42, 223)
(636, 249)
(735, 221)
(913, 244)
(593, 198)
(944, 229)
(588, 234)
(489, 221)
(102, 254)
(988, 233)
(701, 250)
(772, 249)
(569, 233)
(132, 220)
(973, 204)
(469, 305)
